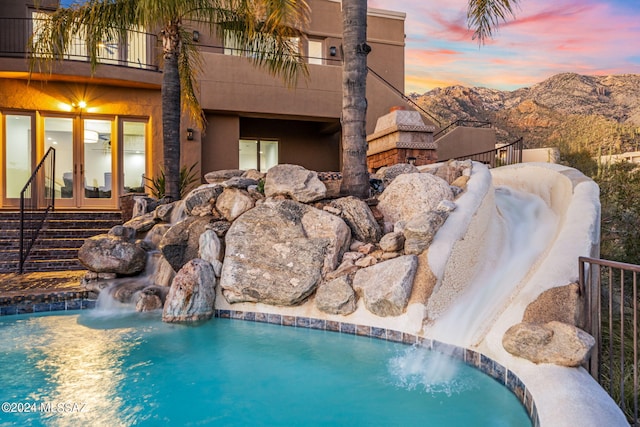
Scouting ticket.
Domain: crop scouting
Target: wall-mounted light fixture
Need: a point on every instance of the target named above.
(189, 134)
(80, 105)
(333, 50)
(196, 35)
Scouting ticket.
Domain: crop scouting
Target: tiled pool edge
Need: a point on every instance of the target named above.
(80, 300)
(485, 364)
(46, 301)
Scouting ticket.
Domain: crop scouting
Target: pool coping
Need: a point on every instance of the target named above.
(83, 300)
(46, 300)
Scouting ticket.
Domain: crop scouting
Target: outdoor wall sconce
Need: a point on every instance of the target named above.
(80, 105)
(333, 51)
(189, 134)
(196, 36)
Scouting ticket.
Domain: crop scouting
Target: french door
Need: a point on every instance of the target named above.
(85, 160)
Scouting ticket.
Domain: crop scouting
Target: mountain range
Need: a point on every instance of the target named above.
(573, 111)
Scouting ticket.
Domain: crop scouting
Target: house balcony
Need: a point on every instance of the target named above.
(130, 60)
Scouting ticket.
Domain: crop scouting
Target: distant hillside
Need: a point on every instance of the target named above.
(571, 110)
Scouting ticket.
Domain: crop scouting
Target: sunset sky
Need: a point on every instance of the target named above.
(547, 37)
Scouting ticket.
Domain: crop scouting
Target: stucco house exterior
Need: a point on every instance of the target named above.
(106, 126)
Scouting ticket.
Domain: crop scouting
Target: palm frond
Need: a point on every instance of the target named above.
(189, 66)
(91, 22)
(269, 32)
(483, 16)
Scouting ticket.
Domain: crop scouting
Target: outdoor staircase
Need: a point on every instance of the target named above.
(56, 248)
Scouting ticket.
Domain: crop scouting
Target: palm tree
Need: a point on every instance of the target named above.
(355, 176)
(482, 16)
(268, 28)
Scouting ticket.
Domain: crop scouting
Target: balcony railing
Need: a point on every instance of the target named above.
(134, 49)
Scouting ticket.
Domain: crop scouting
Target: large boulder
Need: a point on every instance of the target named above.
(561, 303)
(553, 342)
(151, 298)
(454, 169)
(296, 182)
(359, 218)
(233, 202)
(192, 294)
(142, 223)
(123, 232)
(181, 242)
(412, 194)
(420, 231)
(388, 174)
(200, 200)
(386, 286)
(336, 296)
(240, 182)
(220, 176)
(319, 224)
(111, 254)
(163, 213)
(163, 273)
(271, 257)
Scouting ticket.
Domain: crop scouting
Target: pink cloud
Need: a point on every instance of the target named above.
(547, 37)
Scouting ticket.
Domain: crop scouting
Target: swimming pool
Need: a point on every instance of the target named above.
(79, 368)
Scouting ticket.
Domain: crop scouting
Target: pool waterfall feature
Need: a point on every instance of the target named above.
(463, 246)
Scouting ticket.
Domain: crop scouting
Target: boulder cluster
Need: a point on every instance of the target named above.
(279, 238)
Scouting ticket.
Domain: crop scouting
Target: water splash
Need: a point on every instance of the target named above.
(107, 305)
(418, 368)
(527, 226)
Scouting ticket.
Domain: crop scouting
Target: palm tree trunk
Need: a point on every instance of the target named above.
(355, 177)
(171, 112)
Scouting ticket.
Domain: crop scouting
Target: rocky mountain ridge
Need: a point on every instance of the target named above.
(583, 112)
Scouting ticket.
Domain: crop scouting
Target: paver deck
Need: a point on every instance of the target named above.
(13, 284)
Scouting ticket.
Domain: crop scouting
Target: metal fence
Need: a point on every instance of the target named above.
(611, 302)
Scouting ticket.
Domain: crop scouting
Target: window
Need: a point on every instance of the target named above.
(18, 154)
(258, 154)
(133, 137)
(315, 52)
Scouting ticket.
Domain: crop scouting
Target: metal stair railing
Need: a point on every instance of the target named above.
(38, 191)
(404, 97)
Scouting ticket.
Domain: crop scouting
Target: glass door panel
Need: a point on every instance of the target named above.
(248, 158)
(18, 153)
(58, 133)
(268, 155)
(97, 163)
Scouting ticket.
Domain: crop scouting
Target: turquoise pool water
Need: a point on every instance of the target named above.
(84, 369)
